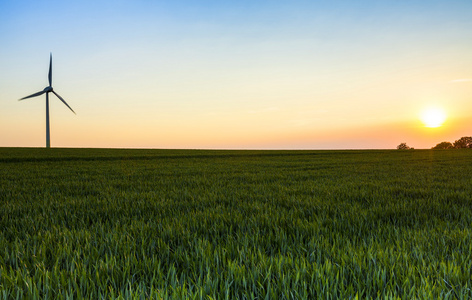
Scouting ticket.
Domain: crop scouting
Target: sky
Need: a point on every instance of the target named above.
(236, 74)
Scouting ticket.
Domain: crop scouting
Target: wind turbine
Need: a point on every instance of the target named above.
(48, 90)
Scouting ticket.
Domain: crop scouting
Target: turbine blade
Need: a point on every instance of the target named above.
(50, 70)
(63, 101)
(33, 95)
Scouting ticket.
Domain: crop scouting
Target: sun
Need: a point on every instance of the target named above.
(433, 117)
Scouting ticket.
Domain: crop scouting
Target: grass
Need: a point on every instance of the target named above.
(101, 223)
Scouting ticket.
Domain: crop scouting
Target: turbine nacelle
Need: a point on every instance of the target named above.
(47, 89)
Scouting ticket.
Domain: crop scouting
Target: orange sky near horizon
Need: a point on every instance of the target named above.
(378, 136)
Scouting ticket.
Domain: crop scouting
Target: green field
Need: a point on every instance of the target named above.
(101, 223)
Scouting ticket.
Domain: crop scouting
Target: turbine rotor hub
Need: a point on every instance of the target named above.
(48, 89)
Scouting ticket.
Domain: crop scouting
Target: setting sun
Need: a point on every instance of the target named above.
(433, 117)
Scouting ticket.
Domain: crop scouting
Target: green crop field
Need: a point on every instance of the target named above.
(195, 224)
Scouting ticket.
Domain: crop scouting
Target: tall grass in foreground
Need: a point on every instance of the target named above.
(91, 223)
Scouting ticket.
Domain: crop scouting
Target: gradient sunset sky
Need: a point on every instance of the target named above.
(236, 74)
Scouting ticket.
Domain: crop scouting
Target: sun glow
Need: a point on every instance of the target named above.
(433, 117)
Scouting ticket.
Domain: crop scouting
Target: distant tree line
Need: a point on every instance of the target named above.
(463, 142)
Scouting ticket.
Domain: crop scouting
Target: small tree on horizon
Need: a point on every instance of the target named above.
(463, 142)
(403, 146)
(443, 145)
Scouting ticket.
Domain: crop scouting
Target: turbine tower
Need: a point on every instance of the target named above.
(48, 90)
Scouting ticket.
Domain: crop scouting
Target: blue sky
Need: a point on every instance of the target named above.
(235, 74)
